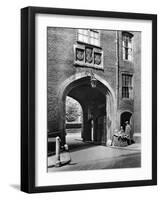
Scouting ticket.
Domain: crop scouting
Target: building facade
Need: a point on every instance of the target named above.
(101, 69)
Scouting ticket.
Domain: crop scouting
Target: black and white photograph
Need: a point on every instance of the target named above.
(89, 91)
(93, 99)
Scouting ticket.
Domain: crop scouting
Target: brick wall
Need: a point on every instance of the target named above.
(61, 66)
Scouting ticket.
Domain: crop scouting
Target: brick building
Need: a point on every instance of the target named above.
(101, 69)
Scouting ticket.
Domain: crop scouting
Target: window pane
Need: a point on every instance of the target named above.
(123, 43)
(96, 35)
(85, 32)
(126, 53)
(92, 40)
(123, 80)
(124, 92)
(126, 42)
(123, 52)
(85, 39)
(80, 31)
(127, 95)
(129, 51)
(80, 37)
(91, 34)
(126, 86)
(130, 58)
(97, 42)
(130, 44)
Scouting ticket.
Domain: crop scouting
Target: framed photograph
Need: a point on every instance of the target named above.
(88, 99)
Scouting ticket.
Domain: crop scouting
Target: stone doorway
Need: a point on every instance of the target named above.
(125, 116)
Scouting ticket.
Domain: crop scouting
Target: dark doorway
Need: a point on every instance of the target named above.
(125, 116)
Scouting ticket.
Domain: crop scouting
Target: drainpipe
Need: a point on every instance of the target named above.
(117, 70)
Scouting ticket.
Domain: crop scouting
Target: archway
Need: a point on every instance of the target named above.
(93, 101)
(98, 106)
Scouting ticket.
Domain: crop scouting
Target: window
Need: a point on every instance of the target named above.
(127, 89)
(89, 36)
(127, 46)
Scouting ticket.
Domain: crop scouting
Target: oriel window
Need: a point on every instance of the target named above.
(89, 36)
(127, 88)
(127, 46)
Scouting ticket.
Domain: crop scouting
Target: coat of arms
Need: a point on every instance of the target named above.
(97, 58)
(88, 55)
(80, 54)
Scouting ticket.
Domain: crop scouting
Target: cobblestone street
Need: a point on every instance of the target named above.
(87, 156)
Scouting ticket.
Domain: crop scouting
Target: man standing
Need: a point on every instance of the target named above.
(128, 131)
(127, 128)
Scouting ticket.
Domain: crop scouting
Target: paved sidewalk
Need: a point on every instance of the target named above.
(86, 156)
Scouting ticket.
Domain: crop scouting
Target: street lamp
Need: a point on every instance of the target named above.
(93, 80)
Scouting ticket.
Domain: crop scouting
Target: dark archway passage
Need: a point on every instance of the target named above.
(93, 103)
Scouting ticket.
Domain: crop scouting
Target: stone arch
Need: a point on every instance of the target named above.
(80, 75)
(70, 83)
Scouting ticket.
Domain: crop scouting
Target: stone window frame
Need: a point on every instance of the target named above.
(130, 94)
(127, 46)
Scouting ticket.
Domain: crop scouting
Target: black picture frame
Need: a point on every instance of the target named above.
(28, 170)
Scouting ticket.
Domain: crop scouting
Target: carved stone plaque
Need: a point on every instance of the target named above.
(79, 54)
(88, 55)
(97, 58)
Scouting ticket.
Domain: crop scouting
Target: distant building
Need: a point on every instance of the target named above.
(101, 69)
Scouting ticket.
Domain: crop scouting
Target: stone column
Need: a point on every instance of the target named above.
(86, 126)
(62, 118)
